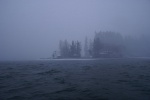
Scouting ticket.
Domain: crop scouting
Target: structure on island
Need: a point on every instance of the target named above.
(104, 45)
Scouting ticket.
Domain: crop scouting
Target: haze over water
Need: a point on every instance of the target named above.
(32, 29)
(74, 50)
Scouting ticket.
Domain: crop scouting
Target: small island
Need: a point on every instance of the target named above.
(104, 45)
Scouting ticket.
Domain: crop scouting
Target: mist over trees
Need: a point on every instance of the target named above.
(105, 44)
(68, 50)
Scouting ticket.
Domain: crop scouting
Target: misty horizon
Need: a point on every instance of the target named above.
(32, 29)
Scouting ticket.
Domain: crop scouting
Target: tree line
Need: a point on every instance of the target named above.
(69, 50)
(105, 44)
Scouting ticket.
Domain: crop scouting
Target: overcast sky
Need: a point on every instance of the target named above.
(31, 29)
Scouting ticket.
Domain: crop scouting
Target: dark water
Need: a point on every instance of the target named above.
(103, 79)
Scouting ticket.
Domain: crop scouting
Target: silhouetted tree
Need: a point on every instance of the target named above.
(72, 50)
(86, 48)
(107, 44)
(78, 49)
(96, 47)
(90, 50)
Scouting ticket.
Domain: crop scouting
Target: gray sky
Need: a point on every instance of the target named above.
(31, 29)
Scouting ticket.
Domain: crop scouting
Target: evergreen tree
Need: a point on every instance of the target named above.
(90, 50)
(61, 47)
(78, 48)
(70, 50)
(66, 49)
(96, 47)
(86, 48)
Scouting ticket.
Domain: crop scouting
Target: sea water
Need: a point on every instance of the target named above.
(95, 79)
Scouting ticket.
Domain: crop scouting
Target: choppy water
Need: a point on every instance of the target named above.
(103, 79)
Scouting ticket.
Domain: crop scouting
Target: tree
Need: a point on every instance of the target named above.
(90, 50)
(107, 44)
(61, 47)
(86, 48)
(78, 49)
(66, 49)
(72, 50)
(96, 47)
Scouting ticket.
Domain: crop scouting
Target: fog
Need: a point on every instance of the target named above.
(31, 29)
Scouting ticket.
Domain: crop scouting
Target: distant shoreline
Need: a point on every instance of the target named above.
(93, 58)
